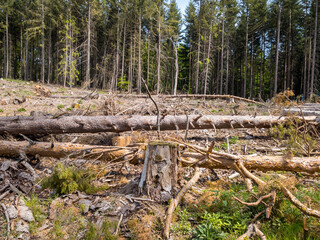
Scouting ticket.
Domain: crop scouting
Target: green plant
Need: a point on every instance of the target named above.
(220, 110)
(103, 234)
(21, 110)
(1, 110)
(183, 225)
(60, 106)
(66, 180)
(69, 109)
(80, 101)
(123, 84)
(297, 142)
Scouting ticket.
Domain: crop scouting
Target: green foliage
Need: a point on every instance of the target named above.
(60, 106)
(66, 180)
(103, 234)
(123, 84)
(69, 109)
(294, 140)
(1, 110)
(183, 226)
(21, 110)
(80, 101)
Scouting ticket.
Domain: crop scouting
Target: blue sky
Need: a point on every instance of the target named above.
(182, 5)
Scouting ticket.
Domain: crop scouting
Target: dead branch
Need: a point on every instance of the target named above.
(303, 208)
(174, 202)
(254, 203)
(253, 230)
(7, 218)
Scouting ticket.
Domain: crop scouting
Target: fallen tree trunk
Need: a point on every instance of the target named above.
(61, 150)
(262, 163)
(94, 124)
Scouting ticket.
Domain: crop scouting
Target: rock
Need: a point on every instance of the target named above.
(12, 212)
(86, 205)
(24, 212)
(22, 227)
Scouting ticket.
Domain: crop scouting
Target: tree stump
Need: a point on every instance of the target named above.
(159, 175)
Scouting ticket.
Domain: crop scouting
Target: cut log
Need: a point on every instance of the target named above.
(159, 175)
(261, 163)
(59, 150)
(305, 111)
(94, 124)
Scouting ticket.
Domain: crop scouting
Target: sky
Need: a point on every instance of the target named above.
(182, 5)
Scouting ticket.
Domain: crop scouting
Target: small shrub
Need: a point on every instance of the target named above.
(69, 109)
(21, 110)
(60, 106)
(80, 101)
(66, 180)
(1, 110)
(103, 234)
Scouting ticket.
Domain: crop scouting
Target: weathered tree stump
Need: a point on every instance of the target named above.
(159, 175)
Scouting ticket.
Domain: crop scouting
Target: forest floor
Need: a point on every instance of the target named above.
(114, 209)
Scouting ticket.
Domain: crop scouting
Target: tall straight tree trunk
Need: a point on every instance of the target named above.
(314, 50)
(261, 66)
(42, 42)
(148, 58)
(7, 46)
(277, 53)
(26, 59)
(227, 70)
(49, 55)
(139, 57)
(21, 54)
(309, 67)
(198, 64)
(190, 85)
(251, 69)
(221, 62)
(176, 69)
(289, 84)
(123, 48)
(246, 57)
(130, 68)
(207, 61)
(159, 52)
(87, 80)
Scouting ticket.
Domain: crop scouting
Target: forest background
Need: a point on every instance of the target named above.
(248, 48)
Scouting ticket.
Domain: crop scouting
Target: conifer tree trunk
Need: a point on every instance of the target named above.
(207, 61)
(246, 57)
(139, 57)
(130, 68)
(123, 48)
(221, 62)
(251, 69)
(21, 54)
(42, 42)
(26, 59)
(159, 52)
(314, 50)
(277, 53)
(87, 80)
(7, 46)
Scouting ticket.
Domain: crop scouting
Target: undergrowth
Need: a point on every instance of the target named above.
(220, 216)
(66, 180)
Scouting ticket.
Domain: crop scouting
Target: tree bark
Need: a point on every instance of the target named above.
(7, 45)
(207, 61)
(123, 48)
(246, 56)
(139, 57)
(221, 62)
(251, 70)
(159, 175)
(314, 50)
(159, 52)
(277, 53)
(87, 80)
(42, 42)
(94, 124)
